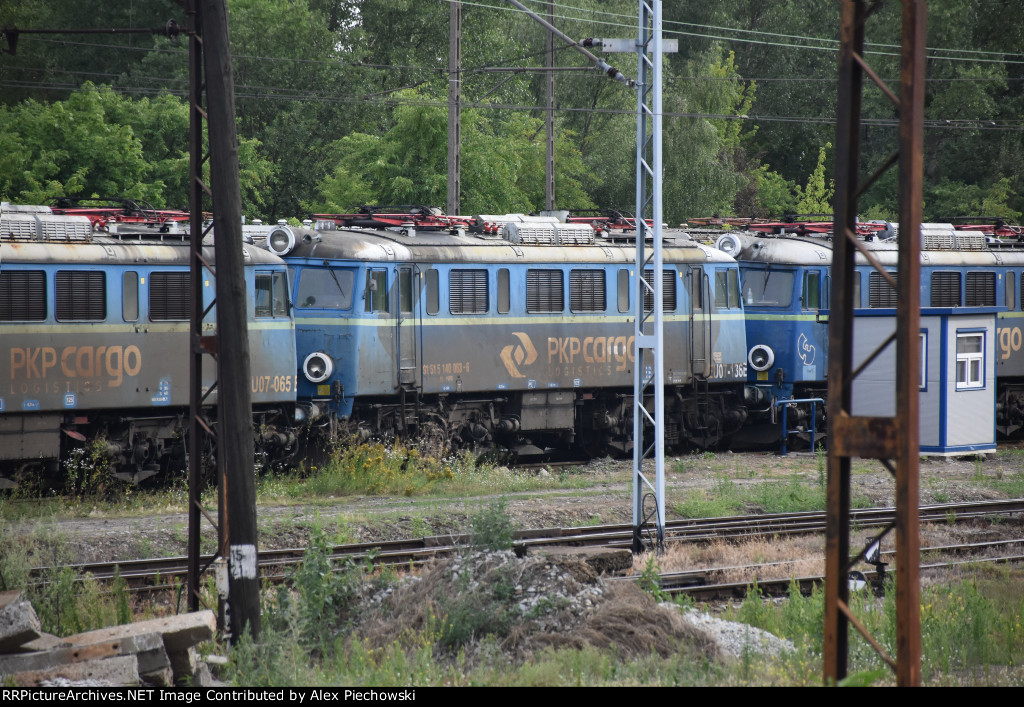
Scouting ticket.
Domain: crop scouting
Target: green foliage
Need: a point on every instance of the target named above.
(775, 194)
(89, 473)
(502, 162)
(325, 593)
(816, 197)
(99, 143)
(650, 581)
(492, 527)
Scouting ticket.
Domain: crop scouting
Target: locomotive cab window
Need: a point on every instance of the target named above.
(22, 296)
(586, 291)
(326, 289)
(467, 292)
(81, 296)
(767, 288)
(376, 291)
(170, 296)
(271, 295)
(545, 291)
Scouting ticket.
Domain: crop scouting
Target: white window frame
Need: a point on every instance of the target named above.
(973, 362)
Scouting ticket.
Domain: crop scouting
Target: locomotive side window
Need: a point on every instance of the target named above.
(545, 291)
(130, 296)
(22, 296)
(467, 292)
(504, 297)
(586, 291)
(433, 299)
(1010, 291)
(405, 290)
(946, 289)
(668, 294)
(327, 289)
(623, 290)
(169, 296)
(727, 289)
(721, 289)
(811, 297)
(81, 296)
(376, 291)
(981, 289)
(767, 288)
(271, 295)
(856, 290)
(880, 292)
(970, 360)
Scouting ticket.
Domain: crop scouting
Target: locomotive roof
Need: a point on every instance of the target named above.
(102, 250)
(810, 251)
(442, 247)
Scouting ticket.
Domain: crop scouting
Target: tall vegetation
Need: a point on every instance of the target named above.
(343, 102)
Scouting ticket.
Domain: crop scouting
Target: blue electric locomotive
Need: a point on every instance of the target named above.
(516, 332)
(786, 284)
(94, 344)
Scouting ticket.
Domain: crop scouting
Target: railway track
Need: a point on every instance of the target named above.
(162, 573)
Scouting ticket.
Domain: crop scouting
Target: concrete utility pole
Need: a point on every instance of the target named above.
(234, 447)
(454, 107)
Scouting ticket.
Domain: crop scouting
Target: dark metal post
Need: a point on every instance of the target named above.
(454, 107)
(908, 350)
(876, 437)
(235, 449)
(197, 429)
(549, 118)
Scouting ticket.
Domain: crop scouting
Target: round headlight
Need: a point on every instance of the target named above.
(761, 357)
(729, 244)
(317, 367)
(281, 240)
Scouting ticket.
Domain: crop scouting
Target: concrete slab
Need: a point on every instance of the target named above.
(18, 625)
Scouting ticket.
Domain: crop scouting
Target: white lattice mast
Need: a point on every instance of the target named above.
(649, 368)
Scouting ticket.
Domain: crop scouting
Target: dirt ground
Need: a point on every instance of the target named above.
(606, 499)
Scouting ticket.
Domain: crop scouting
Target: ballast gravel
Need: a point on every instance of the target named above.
(735, 639)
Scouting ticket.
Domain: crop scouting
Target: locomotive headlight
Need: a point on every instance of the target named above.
(318, 367)
(281, 240)
(729, 244)
(761, 357)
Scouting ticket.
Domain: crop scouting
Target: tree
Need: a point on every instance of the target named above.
(502, 163)
(99, 143)
(817, 196)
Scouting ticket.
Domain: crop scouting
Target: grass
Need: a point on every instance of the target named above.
(727, 498)
(970, 631)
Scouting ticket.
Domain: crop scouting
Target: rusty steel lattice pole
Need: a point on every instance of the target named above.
(875, 437)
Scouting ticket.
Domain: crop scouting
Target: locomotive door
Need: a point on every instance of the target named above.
(406, 377)
(700, 322)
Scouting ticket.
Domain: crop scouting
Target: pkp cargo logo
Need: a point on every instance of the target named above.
(516, 355)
